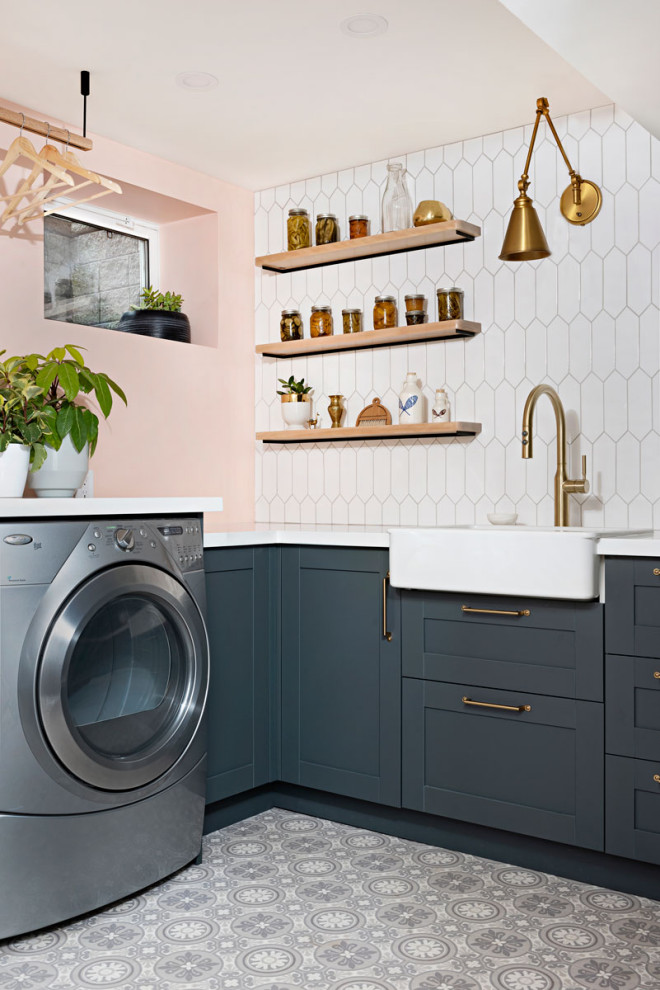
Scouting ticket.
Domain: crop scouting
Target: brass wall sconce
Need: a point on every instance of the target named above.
(580, 204)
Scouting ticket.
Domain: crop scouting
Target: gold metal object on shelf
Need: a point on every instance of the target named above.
(495, 611)
(656, 572)
(563, 484)
(386, 635)
(656, 777)
(336, 411)
(580, 203)
(431, 211)
(313, 423)
(502, 708)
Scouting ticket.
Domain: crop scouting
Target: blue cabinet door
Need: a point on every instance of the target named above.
(240, 622)
(341, 676)
(508, 759)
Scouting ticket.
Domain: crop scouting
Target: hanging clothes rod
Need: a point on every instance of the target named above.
(43, 127)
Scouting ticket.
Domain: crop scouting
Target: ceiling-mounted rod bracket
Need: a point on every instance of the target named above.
(84, 92)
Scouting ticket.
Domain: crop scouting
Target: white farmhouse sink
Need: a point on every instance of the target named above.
(537, 562)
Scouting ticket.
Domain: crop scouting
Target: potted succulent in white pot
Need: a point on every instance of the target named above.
(72, 428)
(25, 422)
(296, 402)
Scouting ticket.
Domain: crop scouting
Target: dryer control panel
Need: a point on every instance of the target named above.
(180, 537)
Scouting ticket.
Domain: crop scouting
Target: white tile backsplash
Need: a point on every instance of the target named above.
(585, 320)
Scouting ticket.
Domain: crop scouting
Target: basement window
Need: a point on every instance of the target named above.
(96, 264)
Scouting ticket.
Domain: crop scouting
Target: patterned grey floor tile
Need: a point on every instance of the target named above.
(287, 902)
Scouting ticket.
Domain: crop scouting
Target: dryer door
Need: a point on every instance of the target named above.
(123, 676)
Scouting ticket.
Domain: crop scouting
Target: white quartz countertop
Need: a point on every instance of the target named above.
(261, 534)
(630, 546)
(66, 508)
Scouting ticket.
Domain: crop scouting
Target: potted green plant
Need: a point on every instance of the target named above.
(296, 402)
(158, 315)
(25, 422)
(71, 429)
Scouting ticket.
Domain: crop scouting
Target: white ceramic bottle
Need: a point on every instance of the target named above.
(411, 406)
(441, 412)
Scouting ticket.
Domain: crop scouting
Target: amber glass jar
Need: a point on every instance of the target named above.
(385, 314)
(450, 304)
(327, 228)
(291, 327)
(320, 324)
(358, 225)
(297, 230)
(352, 320)
(415, 303)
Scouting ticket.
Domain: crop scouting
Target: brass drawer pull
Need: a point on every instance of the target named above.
(656, 777)
(387, 635)
(656, 674)
(503, 708)
(656, 572)
(495, 611)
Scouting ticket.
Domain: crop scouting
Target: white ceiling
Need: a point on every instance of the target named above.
(615, 45)
(296, 96)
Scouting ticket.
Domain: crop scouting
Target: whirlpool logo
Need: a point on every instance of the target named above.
(15, 580)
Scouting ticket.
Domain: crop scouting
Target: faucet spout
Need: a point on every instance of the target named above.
(563, 484)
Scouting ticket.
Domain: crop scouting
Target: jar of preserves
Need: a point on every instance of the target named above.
(327, 228)
(358, 225)
(415, 302)
(450, 304)
(291, 327)
(352, 320)
(297, 230)
(415, 317)
(320, 324)
(385, 314)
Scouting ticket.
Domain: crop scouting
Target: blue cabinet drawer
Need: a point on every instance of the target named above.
(537, 771)
(632, 825)
(553, 648)
(632, 712)
(632, 593)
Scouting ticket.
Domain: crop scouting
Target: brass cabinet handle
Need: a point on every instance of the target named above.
(503, 708)
(656, 674)
(656, 572)
(656, 777)
(495, 611)
(387, 635)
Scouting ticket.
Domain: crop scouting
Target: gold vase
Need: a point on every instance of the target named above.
(336, 410)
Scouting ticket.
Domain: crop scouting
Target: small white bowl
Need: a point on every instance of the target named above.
(502, 518)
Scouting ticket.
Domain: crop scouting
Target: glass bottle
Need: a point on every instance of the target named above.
(396, 209)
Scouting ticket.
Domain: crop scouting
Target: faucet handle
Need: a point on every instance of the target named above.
(579, 486)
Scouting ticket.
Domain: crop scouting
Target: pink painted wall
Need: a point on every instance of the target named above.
(189, 426)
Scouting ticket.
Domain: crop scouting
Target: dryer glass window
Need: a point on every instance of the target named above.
(125, 677)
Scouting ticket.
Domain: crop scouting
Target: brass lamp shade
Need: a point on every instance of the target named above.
(524, 239)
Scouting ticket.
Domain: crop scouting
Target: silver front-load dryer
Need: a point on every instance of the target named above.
(103, 683)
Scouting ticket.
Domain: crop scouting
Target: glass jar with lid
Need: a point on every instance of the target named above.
(291, 327)
(450, 304)
(327, 228)
(320, 324)
(297, 229)
(352, 320)
(415, 302)
(358, 225)
(385, 313)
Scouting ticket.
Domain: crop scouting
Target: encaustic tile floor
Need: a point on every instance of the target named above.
(283, 901)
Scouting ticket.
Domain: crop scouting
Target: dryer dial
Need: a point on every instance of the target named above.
(124, 539)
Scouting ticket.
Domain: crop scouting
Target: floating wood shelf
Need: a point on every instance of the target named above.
(413, 239)
(449, 330)
(413, 431)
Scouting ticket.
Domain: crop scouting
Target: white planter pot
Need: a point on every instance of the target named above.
(296, 411)
(14, 467)
(62, 473)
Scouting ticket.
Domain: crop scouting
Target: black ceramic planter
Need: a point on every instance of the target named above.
(156, 323)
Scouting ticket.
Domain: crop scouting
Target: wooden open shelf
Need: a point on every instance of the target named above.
(413, 239)
(449, 330)
(395, 432)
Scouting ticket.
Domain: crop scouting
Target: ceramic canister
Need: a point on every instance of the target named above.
(410, 401)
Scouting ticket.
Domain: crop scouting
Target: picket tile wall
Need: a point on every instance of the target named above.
(585, 320)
